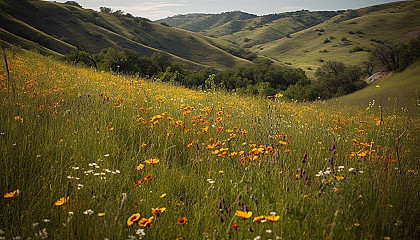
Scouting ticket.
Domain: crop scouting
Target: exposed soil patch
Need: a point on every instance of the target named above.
(377, 76)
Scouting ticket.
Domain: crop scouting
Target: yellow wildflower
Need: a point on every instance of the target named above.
(13, 194)
(61, 201)
(244, 215)
(158, 211)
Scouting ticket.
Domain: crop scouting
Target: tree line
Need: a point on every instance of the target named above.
(262, 78)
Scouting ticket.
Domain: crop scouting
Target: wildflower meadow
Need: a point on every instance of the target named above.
(94, 155)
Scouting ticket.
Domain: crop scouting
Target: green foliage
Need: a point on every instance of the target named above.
(262, 78)
(334, 79)
(339, 79)
(168, 76)
(396, 57)
(105, 9)
(358, 49)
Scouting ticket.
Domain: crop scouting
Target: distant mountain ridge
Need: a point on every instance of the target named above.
(58, 28)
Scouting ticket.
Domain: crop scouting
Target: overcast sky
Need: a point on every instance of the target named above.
(157, 9)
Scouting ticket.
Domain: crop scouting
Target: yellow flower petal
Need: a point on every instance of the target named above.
(140, 167)
(258, 219)
(243, 215)
(272, 218)
(12, 194)
(61, 201)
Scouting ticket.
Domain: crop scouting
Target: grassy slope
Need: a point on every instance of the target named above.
(400, 90)
(387, 22)
(203, 22)
(59, 26)
(263, 30)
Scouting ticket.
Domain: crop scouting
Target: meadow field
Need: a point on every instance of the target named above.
(93, 155)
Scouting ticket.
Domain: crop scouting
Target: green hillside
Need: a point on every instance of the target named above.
(347, 38)
(202, 23)
(60, 27)
(245, 29)
(400, 90)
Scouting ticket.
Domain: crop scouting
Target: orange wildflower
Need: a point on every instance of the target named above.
(234, 226)
(146, 221)
(182, 221)
(133, 218)
(147, 177)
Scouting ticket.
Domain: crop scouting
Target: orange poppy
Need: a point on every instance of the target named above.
(133, 218)
(182, 221)
(234, 226)
(147, 177)
(136, 183)
(146, 221)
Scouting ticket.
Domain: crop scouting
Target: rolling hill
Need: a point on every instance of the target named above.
(58, 28)
(305, 39)
(247, 30)
(348, 37)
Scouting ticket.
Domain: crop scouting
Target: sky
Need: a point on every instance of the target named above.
(158, 9)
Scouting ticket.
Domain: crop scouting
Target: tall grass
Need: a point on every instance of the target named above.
(80, 134)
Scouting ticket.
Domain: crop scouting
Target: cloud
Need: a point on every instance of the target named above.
(290, 8)
(152, 10)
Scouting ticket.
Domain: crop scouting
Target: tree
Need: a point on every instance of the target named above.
(105, 9)
(161, 60)
(386, 57)
(119, 12)
(368, 67)
(338, 79)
